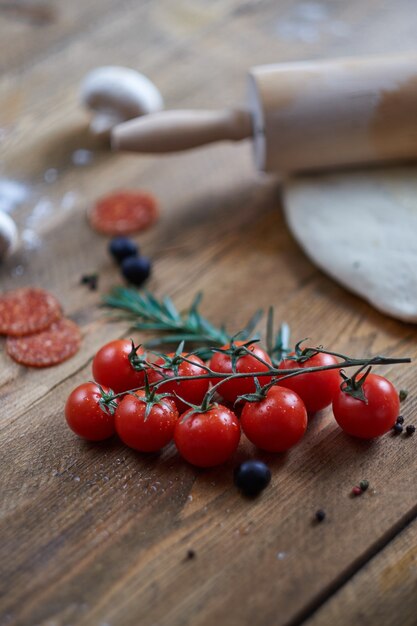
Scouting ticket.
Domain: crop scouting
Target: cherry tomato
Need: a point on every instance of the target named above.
(231, 389)
(192, 391)
(145, 433)
(277, 422)
(373, 418)
(85, 416)
(112, 368)
(316, 389)
(207, 439)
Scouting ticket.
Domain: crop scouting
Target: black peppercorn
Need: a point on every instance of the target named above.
(91, 280)
(403, 394)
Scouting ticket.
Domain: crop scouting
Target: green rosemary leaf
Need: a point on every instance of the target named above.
(270, 331)
(171, 309)
(218, 335)
(205, 325)
(282, 342)
(192, 321)
(196, 302)
(150, 313)
(251, 325)
(153, 305)
(175, 339)
(151, 326)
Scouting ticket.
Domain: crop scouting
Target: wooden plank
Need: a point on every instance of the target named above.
(98, 534)
(383, 592)
(33, 29)
(104, 514)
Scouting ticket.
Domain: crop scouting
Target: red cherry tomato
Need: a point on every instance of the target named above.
(231, 389)
(85, 416)
(192, 391)
(277, 422)
(145, 433)
(373, 418)
(316, 389)
(207, 439)
(112, 368)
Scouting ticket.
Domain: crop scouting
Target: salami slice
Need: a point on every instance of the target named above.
(27, 310)
(49, 347)
(123, 213)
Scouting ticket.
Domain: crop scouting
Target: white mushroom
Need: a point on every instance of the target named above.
(8, 235)
(116, 94)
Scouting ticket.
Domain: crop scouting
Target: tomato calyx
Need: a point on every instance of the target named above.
(236, 351)
(258, 395)
(206, 405)
(108, 400)
(301, 355)
(173, 362)
(151, 398)
(137, 361)
(353, 386)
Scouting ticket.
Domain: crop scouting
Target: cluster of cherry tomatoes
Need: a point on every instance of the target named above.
(207, 432)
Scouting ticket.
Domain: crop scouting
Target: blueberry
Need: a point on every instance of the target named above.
(136, 269)
(252, 477)
(122, 247)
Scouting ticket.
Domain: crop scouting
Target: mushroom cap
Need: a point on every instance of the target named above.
(117, 94)
(8, 235)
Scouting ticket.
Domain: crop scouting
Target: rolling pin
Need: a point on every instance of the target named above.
(301, 116)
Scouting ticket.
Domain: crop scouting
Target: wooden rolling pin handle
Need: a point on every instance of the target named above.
(171, 131)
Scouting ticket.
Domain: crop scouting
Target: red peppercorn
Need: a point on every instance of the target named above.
(356, 491)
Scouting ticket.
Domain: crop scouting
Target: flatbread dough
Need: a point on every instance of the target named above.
(360, 227)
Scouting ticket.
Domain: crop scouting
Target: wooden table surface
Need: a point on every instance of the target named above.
(96, 534)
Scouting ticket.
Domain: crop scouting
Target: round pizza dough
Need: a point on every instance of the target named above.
(360, 227)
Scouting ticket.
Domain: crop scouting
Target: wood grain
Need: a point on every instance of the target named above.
(382, 592)
(95, 534)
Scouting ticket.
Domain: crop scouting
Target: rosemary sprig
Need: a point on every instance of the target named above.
(278, 346)
(148, 313)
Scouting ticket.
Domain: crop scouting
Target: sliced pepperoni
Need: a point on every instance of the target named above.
(123, 213)
(27, 310)
(49, 347)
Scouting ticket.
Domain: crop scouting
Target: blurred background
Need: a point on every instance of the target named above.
(197, 53)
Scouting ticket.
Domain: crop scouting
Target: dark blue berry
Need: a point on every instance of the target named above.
(252, 477)
(320, 515)
(122, 247)
(397, 428)
(136, 269)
